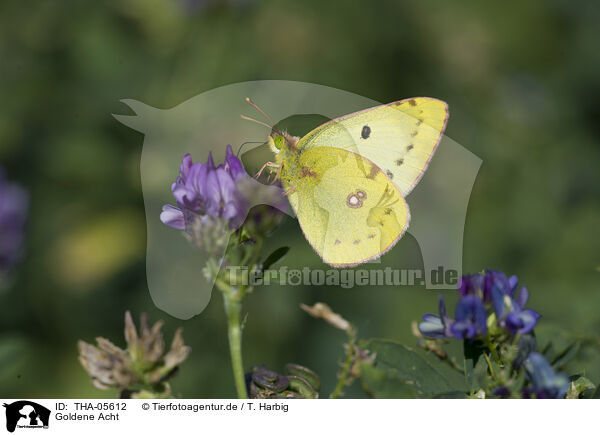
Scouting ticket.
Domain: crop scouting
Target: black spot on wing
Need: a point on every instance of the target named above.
(366, 132)
(389, 174)
(399, 162)
(410, 147)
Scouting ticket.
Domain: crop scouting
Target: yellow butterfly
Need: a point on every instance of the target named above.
(347, 179)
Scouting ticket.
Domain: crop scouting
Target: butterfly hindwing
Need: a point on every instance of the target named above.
(349, 210)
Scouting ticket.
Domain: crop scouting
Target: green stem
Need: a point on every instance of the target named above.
(233, 306)
(489, 363)
(343, 378)
(492, 348)
(256, 252)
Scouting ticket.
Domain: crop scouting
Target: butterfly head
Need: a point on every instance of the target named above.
(279, 140)
(276, 142)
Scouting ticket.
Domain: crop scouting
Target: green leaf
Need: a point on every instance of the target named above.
(580, 387)
(566, 355)
(302, 386)
(275, 256)
(401, 372)
(558, 346)
(587, 393)
(475, 365)
(305, 373)
(382, 385)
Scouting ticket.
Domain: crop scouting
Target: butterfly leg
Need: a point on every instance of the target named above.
(277, 174)
(270, 165)
(261, 169)
(290, 191)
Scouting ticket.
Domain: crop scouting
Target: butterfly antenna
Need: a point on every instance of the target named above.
(249, 101)
(253, 104)
(240, 148)
(247, 118)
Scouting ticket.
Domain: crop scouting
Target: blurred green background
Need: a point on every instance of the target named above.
(522, 82)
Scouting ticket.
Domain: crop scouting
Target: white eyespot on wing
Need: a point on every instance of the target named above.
(353, 201)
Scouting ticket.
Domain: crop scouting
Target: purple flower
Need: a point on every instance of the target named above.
(212, 202)
(469, 322)
(511, 312)
(545, 383)
(173, 217)
(498, 280)
(502, 392)
(14, 205)
(203, 189)
(481, 285)
(472, 285)
(479, 292)
(470, 318)
(436, 326)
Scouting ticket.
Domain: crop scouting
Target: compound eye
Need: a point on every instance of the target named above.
(279, 142)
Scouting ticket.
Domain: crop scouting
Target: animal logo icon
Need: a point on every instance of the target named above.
(26, 414)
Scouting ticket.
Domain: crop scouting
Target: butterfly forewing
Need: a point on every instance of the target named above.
(400, 137)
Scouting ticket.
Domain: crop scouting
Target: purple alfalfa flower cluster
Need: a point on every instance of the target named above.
(544, 382)
(491, 309)
(207, 192)
(14, 205)
(214, 201)
(481, 294)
